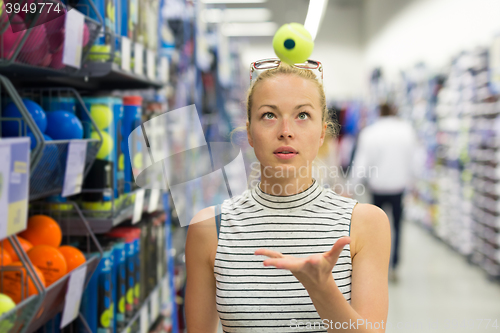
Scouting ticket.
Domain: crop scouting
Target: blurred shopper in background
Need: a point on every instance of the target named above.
(384, 157)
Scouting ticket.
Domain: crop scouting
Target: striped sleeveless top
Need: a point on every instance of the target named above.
(253, 298)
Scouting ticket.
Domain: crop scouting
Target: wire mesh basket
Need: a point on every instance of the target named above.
(14, 32)
(17, 281)
(48, 157)
(55, 294)
(40, 39)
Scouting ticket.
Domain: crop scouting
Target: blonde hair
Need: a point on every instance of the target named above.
(332, 128)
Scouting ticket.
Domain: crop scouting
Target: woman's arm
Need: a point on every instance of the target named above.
(367, 312)
(201, 244)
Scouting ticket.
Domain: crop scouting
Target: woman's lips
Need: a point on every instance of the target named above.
(285, 156)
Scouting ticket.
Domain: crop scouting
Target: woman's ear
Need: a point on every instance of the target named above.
(323, 133)
(249, 136)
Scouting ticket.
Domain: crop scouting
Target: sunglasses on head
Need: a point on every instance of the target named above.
(259, 66)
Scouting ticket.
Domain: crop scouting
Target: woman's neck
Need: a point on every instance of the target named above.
(284, 186)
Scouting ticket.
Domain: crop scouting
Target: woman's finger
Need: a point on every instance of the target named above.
(268, 253)
(337, 248)
(292, 264)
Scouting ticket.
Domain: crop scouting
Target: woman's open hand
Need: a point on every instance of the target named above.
(313, 271)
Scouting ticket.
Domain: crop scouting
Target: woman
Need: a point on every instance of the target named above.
(290, 256)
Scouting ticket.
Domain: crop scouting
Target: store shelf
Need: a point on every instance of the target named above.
(150, 306)
(101, 225)
(91, 77)
(111, 74)
(97, 224)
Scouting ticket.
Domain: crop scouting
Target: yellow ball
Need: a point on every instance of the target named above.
(102, 115)
(100, 53)
(292, 43)
(121, 200)
(61, 206)
(107, 144)
(121, 162)
(6, 304)
(138, 161)
(98, 206)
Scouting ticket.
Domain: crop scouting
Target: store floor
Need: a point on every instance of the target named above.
(438, 290)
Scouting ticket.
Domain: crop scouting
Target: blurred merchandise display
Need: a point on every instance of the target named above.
(455, 113)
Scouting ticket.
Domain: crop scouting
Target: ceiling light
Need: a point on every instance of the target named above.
(315, 14)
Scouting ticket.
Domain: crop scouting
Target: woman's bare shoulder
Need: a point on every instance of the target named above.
(202, 234)
(203, 217)
(368, 222)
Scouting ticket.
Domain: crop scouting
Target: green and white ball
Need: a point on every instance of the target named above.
(292, 43)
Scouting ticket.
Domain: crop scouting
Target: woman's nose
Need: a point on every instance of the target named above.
(285, 130)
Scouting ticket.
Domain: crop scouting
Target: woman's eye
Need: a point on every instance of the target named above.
(303, 115)
(268, 115)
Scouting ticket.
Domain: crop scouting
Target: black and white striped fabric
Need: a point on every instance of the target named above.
(253, 298)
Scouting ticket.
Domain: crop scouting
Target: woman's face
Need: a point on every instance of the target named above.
(286, 111)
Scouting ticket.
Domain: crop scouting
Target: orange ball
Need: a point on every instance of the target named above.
(17, 284)
(5, 258)
(43, 230)
(73, 256)
(8, 248)
(50, 261)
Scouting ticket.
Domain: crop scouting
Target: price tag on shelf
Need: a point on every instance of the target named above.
(154, 305)
(14, 185)
(126, 52)
(73, 295)
(4, 188)
(144, 324)
(75, 164)
(138, 59)
(138, 205)
(154, 198)
(73, 39)
(151, 65)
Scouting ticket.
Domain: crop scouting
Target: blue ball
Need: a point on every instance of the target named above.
(33, 139)
(63, 125)
(50, 155)
(11, 128)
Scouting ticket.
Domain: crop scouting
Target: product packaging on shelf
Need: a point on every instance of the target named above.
(102, 173)
(97, 305)
(132, 147)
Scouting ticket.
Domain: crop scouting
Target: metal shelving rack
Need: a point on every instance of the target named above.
(36, 310)
(93, 76)
(103, 224)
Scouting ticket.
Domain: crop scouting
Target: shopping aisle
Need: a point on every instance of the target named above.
(437, 283)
